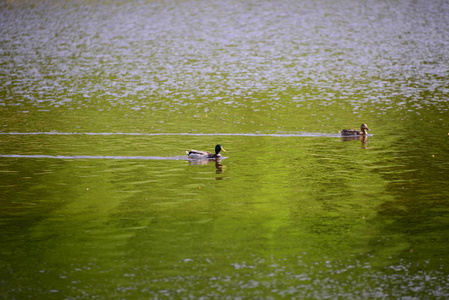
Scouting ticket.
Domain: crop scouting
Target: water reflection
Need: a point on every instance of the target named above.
(218, 166)
(204, 161)
(362, 138)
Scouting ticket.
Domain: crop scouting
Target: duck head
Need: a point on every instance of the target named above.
(364, 128)
(219, 148)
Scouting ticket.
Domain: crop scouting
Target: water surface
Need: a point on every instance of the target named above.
(100, 100)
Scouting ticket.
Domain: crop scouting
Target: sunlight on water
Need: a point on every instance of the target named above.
(225, 60)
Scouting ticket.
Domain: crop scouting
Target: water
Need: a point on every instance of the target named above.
(100, 100)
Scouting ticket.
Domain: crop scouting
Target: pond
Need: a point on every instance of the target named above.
(100, 100)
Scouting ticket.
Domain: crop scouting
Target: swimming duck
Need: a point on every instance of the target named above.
(363, 131)
(204, 154)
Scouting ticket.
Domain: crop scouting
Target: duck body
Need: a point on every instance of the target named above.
(351, 132)
(195, 154)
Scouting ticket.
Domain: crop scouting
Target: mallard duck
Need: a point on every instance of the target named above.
(204, 154)
(363, 130)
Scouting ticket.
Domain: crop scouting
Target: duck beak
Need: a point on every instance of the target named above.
(222, 149)
(367, 128)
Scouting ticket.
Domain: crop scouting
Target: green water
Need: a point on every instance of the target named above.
(99, 101)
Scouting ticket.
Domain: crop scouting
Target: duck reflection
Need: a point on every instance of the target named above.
(362, 138)
(204, 161)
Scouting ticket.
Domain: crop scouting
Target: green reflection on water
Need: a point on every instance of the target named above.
(276, 213)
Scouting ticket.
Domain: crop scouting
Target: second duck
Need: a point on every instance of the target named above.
(363, 131)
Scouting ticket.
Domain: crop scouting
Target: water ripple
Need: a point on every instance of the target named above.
(304, 134)
(94, 157)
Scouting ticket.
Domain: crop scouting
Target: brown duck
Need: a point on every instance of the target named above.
(363, 131)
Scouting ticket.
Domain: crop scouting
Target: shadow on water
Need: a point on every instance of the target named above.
(416, 180)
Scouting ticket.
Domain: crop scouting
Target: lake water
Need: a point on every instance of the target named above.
(100, 99)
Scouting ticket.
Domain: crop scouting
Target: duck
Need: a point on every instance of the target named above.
(363, 131)
(195, 154)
